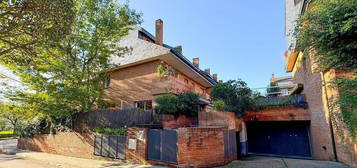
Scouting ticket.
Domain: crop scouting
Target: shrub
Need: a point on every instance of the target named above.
(111, 131)
(219, 105)
(182, 104)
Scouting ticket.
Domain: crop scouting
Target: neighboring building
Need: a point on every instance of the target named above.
(330, 138)
(151, 69)
(284, 85)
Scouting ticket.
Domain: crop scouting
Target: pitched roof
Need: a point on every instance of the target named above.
(141, 50)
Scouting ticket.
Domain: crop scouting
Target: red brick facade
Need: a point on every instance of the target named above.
(68, 144)
(278, 113)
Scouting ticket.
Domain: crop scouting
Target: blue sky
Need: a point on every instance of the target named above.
(235, 38)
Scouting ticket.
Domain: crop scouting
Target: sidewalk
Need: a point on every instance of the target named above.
(9, 148)
(72, 162)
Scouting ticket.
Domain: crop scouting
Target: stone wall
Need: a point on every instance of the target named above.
(68, 144)
(170, 122)
(278, 113)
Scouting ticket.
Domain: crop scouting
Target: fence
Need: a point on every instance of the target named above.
(296, 100)
(230, 145)
(115, 118)
(112, 146)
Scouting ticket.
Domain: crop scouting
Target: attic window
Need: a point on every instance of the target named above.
(106, 82)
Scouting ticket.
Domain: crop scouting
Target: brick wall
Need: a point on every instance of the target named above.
(201, 147)
(139, 155)
(278, 113)
(68, 144)
(132, 84)
(321, 139)
(346, 146)
(221, 119)
(170, 122)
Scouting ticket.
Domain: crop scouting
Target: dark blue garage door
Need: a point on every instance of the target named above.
(290, 139)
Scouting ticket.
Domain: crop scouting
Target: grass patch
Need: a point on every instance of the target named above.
(7, 135)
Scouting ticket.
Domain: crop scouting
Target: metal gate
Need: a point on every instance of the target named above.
(162, 145)
(230, 144)
(112, 146)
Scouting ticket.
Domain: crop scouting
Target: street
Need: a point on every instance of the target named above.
(12, 161)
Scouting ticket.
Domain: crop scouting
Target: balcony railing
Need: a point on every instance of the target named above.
(297, 100)
(173, 85)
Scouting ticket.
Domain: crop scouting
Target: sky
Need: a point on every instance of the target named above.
(234, 38)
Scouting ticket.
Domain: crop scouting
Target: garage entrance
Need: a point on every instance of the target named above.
(286, 139)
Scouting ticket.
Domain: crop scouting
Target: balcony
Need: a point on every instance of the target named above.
(298, 100)
(174, 85)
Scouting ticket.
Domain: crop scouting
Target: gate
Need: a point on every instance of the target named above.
(230, 144)
(112, 146)
(162, 145)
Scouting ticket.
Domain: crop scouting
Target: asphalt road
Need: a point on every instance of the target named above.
(11, 161)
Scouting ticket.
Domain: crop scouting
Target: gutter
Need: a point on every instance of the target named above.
(329, 116)
(188, 63)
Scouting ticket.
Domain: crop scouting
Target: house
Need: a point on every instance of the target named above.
(330, 138)
(152, 68)
(284, 85)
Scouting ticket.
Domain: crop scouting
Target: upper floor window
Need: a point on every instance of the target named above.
(144, 105)
(186, 81)
(106, 82)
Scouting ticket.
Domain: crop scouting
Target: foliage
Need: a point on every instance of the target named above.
(3, 124)
(167, 104)
(103, 104)
(111, 131)
(296, 100)
(219, 105)
(65, 75)
(328, 28)
(15, 114)
(28, 24)
(182, 104)
(272, 90)
(235, 94)
(188, 104)
(348, 102)
(164, 70)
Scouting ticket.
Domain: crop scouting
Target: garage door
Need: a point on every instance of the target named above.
(289, 139)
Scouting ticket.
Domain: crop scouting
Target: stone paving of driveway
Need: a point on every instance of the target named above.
(274, 162)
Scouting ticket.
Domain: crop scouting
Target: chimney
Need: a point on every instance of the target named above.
(272, 79)
(159, 32)
(215, 77)
(208, 71)
(196, 62)
(178, 49)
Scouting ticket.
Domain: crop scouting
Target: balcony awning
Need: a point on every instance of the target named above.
(290, 61)
(203, 101)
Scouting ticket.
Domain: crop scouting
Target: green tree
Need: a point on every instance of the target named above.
(15, 114)
(235, 94)
(65, 76)
(328, 28)
(28, 24)
(181, 104)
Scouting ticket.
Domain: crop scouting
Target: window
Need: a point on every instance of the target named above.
(106, 82)
(203, 90)
(186, 81)
(144, 105)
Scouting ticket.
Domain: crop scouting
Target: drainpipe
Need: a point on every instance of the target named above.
(329, 115)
